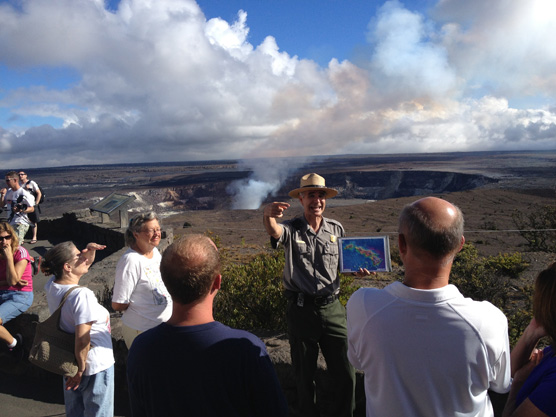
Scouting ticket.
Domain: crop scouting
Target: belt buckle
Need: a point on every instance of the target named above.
(321, 300)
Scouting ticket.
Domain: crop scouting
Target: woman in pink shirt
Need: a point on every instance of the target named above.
(16, 285)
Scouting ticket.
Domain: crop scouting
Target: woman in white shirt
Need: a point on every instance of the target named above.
(91, 391)
(138, 289)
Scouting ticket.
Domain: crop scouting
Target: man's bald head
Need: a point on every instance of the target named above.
(432, 225)
(189, 267)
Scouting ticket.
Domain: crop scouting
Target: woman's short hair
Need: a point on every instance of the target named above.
(5, 227)
(544, 301)
(55, 259)
(136, 224)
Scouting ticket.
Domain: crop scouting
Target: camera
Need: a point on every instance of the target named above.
(21, 207)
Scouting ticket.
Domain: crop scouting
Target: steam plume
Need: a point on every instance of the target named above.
(266, 178)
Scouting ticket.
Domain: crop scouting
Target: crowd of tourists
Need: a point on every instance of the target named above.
(425, 349)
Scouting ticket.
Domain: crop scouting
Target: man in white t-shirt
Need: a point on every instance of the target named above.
(19, 203)
(425, 349)
(36, 192)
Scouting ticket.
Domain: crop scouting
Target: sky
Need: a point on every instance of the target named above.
(96, 82)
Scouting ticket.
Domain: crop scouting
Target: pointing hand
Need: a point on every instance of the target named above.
(275, 209)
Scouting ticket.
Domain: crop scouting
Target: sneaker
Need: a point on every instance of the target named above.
(36, 265)
(17, 352)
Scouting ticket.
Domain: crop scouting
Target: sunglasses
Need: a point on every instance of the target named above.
(2, 238)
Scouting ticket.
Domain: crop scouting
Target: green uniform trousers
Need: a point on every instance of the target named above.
(309, 327)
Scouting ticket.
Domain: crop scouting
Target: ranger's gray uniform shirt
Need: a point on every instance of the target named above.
(311, 258)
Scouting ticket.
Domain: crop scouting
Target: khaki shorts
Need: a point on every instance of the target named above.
(20, 230)
(129, 335)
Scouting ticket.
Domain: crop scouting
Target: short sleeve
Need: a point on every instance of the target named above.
(84, 306)
(543, 393)
(127, 275)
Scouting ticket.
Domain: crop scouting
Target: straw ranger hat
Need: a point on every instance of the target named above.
(313, 182)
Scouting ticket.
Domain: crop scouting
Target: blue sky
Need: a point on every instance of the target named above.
(311, 29)
(316, 30)
(85, 81)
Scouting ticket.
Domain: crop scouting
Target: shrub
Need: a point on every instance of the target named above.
(252, 296)
(347, 287)
(538, 227)
(486, 278)
(509, 265)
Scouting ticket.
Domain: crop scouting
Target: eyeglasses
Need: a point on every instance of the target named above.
(22, 174)
(152, 231)
(8, 237)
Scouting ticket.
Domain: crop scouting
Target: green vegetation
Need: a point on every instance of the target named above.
(252, 296)
(486, 278)
(538, 227)
(494, 279)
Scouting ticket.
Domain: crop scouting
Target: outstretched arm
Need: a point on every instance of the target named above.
(270, 213)
(90, 251)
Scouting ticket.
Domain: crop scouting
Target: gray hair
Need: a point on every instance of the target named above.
(55, 259)
(421, 231)
(136, 224)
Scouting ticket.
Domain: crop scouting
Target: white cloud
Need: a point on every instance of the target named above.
(405, 58)
(157, 81)
(504, 45)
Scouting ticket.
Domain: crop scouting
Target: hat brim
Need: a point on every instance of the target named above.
(330, 192)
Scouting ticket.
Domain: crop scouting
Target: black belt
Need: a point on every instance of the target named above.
(320, 300)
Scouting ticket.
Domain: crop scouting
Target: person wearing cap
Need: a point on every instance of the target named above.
(315, 316)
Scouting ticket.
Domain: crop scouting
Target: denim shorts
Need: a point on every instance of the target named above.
(14, 303)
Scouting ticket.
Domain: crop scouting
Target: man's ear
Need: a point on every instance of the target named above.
(461, 243)
(402, 244)
(217, 283)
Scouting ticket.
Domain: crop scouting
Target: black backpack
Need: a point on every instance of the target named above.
(34, 192)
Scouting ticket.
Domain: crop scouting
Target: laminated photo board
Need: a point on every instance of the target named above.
(371, 253)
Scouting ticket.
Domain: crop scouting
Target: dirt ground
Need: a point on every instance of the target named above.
(487, 212)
